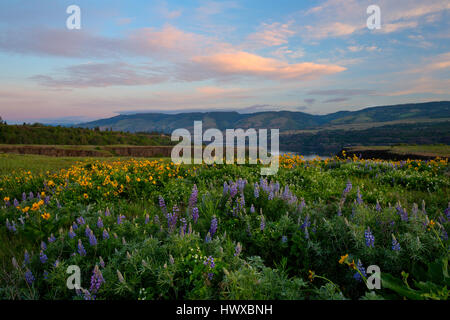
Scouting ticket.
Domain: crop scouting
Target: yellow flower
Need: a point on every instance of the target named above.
(352, 265)
(45, 216)
(343, 259)
(6, 199)
(25, 210)
(311, 275)
(85, 196)
(42, 194)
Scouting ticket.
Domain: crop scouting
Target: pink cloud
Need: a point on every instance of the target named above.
(248, 64)
(274, 34)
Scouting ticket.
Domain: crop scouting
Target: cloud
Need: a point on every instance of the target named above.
(310, 101)
(363, 48)
(336, 100)
(339, 18)
(240, 63)
(102, 75)
(341, 92)
(274, 34)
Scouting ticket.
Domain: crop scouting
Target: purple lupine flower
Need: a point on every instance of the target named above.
(147, 219)
(193, 197)
(271, 195)
(96, 280)
(47, 200)
(29, 278)
(16, 203)
(241, 184)
(306, 223)
(105, 234)
(26, 258)
(156, 219)
(120, 219)
(213, 227)
(92, 239)
(45, 275)
(302, 205)
(80, 220)
(102, 263)
(210, 276)
(43, 246)
(262, 225)
(359, 197)
(162, 204)
(378, 207)
(52, 238)
(209, 262)
(75, 226)
(24, 196)
(208, 238)
(81, 249)
(195, 214)
(99, 223)
(87, 231)
(183, 225)
(360, 267)
(107, 213)
(370, 239)
(395, 244)
(43, 257)
(11, 227)
(252, 209)
(256, 191)
(71, 233)
(233, 190)
(31, 196)
(237, 249)
(348, 188)
(284, 239)
(56, 263)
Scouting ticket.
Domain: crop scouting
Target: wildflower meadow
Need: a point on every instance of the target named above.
(152, 230)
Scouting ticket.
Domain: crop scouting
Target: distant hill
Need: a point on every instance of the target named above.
(38, 134)
(284, 120)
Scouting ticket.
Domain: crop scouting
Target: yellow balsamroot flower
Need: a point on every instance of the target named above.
(85, 196)
(311, 275)
(42, 194)
(35, 206)
(45, 216)
(6, 199)
(343, 259)
(25, 210)
(431, 224)
(352, 265)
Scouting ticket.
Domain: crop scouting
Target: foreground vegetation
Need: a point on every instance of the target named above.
(149, 229)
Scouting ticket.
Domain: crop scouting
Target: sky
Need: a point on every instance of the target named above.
(180, 56)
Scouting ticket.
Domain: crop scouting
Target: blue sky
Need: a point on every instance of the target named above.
(172, 56)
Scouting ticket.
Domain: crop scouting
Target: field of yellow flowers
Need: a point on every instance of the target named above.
(150, 229)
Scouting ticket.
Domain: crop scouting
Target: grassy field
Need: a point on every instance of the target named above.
(149, 229)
